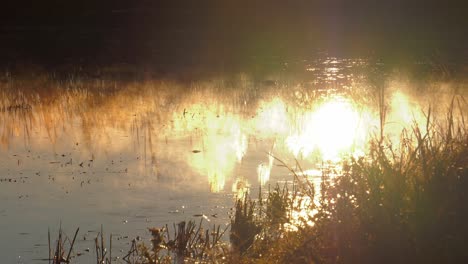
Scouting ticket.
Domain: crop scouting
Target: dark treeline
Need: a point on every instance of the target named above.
(231, 34)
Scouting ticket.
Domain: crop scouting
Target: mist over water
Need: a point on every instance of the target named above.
(135, 154)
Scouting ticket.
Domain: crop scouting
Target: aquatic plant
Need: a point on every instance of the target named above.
(190, 243)
(59, 253)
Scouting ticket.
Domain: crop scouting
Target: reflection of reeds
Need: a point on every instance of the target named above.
(54, 105)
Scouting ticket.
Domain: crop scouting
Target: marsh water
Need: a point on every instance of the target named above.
(132, 154)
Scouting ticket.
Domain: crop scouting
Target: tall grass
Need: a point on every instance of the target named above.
(403, 203)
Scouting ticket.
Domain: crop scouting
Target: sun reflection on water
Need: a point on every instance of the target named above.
(331, 129)
(302, 214)
(222, 146)
(240, 187)
(207, 132)
(272, 118)
(404, 114)
(264, 170)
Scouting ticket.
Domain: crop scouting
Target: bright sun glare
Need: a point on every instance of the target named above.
(333, 128)
(329, 131)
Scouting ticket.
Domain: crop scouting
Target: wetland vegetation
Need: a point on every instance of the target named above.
(348, 167)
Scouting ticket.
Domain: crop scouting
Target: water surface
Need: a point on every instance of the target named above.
(129, 155)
